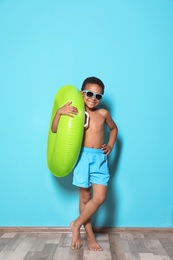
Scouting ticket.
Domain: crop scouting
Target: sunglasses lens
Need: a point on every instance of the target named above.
(98, 97)
(89, 94)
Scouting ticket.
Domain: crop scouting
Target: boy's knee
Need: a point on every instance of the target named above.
(85, 197)
(99, 199)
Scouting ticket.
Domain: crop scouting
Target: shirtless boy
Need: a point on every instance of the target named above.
(91, 170)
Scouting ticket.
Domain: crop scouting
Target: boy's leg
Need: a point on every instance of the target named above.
(85, 196)
(99, 195)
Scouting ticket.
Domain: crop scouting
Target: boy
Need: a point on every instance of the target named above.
(91, 170)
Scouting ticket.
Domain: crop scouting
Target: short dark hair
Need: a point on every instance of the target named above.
(93, 80)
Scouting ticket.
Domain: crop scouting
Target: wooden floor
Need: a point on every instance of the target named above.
(125, 245)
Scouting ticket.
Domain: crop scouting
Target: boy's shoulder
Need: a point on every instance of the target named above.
(103, 111)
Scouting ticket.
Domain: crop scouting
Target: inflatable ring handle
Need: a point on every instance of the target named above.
(87, 119)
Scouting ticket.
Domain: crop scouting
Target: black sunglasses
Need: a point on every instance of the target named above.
(90, 94)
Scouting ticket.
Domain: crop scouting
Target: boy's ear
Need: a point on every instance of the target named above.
(82, 94)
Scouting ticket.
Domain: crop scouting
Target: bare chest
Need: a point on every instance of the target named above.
(96, 122)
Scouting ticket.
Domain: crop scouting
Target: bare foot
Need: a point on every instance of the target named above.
(93, 245)
(76, 238)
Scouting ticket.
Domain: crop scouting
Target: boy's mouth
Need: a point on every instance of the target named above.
(91, 102)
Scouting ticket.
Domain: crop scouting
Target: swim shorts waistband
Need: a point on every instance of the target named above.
(91, 150)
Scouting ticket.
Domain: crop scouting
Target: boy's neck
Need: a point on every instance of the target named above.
(90, 109)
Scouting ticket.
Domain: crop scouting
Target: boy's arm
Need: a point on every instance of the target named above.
(64, 110)
(55, 121)
(112, 136)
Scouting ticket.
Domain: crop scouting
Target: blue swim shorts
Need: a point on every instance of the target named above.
(92, 167)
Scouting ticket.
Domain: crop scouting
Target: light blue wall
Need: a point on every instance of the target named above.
(47, 44)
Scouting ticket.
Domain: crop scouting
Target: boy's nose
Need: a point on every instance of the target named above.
(93, 97)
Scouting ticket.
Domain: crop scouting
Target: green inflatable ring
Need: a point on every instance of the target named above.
(64, 146)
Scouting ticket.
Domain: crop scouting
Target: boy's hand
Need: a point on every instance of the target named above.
(68, 110)
(106, 149)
